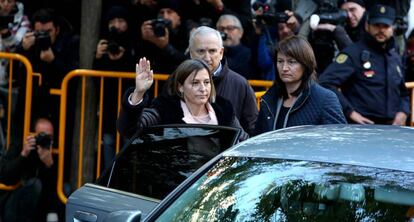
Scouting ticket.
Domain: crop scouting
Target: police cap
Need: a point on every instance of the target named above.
(381, 14)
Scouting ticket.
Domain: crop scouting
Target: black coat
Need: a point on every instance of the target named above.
(235, 88)
(376, 91)
(314, 106)
(167, 110)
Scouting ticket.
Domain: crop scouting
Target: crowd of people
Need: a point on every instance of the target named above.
(332, 62)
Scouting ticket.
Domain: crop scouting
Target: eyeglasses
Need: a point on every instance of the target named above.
(290, 62)
(227, 28)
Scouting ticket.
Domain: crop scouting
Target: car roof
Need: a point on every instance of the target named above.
(381, 146)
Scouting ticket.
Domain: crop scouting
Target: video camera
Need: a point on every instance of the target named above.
(43, 140)
(159, 25)
(328, 13)
(42, 40)
(5, 21)
(267, 17)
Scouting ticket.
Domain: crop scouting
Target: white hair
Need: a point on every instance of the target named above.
(204, 30)
(232, 18)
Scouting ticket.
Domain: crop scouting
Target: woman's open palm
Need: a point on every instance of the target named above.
(143, 75)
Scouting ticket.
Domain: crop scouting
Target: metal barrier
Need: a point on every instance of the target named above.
(29, 85)
(410, 86)
(29, 77)
(266, 84)
(83, 73)
(63, 94)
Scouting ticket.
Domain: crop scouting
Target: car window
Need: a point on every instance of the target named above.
(257, 189)
(162, 157)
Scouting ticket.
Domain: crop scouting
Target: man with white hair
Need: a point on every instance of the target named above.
(239, 57)
(206, 44)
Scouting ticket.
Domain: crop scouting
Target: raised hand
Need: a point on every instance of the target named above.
(143, 79)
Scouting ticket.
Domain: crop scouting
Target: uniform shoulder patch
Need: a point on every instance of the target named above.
(341, 58)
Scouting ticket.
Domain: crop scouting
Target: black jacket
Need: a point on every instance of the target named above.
(377, 91)
(166, 110)
(314, 106)
(235, 88)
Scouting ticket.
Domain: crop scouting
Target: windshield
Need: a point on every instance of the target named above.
(256, 189)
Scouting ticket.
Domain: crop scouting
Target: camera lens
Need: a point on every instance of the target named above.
(43, 140)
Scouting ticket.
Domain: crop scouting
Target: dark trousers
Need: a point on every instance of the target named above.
(21, 204)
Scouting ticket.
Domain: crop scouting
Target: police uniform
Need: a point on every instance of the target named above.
(370, 78)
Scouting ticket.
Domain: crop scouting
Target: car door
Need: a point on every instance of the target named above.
(147, 170)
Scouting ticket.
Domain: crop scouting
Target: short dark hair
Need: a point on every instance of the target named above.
(45, 15)
(182, 72)
(299, 49)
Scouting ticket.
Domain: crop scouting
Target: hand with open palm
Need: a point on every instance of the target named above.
(143, 79)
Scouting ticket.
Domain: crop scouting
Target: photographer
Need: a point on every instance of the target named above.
(164, 39)
(27, 165)
(354, 27)
(273, 24)
(328, 34)
(114, 52)
(239, 56)
(53, 52)
(356, 18)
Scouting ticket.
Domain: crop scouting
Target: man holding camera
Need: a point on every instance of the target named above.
(370, 74)
(273, 23)
(53, 52)
(26, 166)
(239, 56)
(114, 52)
(164, 39)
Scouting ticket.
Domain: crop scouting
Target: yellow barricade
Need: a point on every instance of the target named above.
(410, 86)
(83, 73)
(12, 57)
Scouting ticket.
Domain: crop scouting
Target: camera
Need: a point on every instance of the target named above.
(267, 17)
(113, 41)
(43, 140)
(328, 13)
(401, 25)
(5, 21)
(42, 40)
(159, 25)
(223, 36)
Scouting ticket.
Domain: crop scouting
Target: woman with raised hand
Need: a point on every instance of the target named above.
(190, 98)
(295, 98)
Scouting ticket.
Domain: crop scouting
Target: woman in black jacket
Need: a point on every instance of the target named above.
(295, 98)
(190, 98)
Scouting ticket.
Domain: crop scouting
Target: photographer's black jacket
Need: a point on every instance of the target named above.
(66, 52)
(377, 91)
(165, 60)
(12, 166)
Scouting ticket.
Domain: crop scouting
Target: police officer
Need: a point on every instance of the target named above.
(370, 74)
